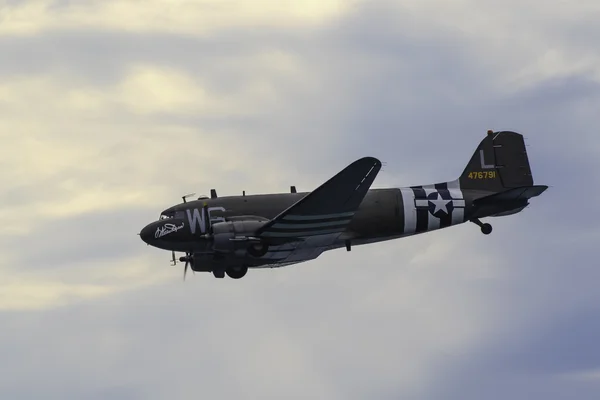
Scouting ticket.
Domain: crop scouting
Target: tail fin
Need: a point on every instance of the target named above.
(499, 163)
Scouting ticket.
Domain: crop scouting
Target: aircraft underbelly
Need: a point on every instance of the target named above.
(308, 249)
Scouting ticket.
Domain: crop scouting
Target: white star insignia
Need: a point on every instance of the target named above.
(440, 204)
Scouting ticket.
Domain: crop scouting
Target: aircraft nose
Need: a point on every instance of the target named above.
(147, 233)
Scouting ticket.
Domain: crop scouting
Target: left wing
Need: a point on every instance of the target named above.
(327, 210)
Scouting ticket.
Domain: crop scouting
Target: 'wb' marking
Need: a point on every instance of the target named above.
(197, 218)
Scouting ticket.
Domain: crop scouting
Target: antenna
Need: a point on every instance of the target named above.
(186, 196)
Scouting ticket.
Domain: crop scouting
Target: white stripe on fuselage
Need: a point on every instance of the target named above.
(410, 207)
(303, 233)
(458, 215)
(410, 211)
(433, 222)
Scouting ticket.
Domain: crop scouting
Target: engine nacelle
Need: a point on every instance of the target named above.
(229, 236)
(202, 262)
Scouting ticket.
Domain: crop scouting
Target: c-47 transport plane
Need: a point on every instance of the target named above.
(229, 235)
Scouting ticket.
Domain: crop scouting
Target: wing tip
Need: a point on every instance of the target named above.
(369, 159)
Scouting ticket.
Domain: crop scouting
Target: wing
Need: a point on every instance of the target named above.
(327, 210)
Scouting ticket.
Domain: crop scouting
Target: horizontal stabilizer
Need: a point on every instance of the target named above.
(508, 202)
(515, 194)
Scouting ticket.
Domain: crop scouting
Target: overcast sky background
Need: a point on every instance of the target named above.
(111, 110)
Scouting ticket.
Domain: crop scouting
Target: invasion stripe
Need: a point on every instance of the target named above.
(313, 221)
(410, 212)
(294, 225)
(316, 217)
(280, 250)
(301, 230)
(301, 233)
(445, 220)
(422, 214)
(433, 221)
(458, 216)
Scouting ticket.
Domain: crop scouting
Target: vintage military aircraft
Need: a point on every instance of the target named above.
(228, 235)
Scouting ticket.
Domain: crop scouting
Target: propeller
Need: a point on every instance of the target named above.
(187, 262)
(188, 256)
(187, 259)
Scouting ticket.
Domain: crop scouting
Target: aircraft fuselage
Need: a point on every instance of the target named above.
(233, 233)
(384, 214)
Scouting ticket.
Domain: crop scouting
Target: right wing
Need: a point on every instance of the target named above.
(328, 209)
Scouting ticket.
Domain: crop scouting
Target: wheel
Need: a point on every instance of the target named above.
(258, 250)
(236, 273)
(486, 229)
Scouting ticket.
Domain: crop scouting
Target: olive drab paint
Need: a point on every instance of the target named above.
(280, 229)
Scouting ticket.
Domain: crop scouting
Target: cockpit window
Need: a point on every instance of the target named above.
(172, 214)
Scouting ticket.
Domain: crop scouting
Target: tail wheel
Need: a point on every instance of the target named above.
(486, 229)
(237, 272)
(258, 250)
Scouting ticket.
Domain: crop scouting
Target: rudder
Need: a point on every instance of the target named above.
(499, 163)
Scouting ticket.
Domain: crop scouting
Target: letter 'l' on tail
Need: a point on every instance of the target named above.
(499, 178)
(500, 163)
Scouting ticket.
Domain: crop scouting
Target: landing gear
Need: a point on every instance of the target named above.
(232, 272)
(258, 250)
(486, 228)
(219, 273)
(237, 272)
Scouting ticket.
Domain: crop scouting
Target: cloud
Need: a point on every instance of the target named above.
(199, 17)
(110, 112)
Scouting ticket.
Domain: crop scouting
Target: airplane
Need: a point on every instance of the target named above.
(229, 235)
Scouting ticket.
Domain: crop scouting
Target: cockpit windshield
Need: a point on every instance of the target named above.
(172, 214)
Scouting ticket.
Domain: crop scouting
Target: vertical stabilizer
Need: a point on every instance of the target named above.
(499, 163)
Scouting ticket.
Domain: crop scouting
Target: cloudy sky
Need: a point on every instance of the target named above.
(110, 110)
